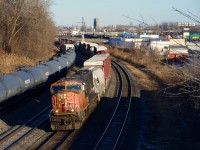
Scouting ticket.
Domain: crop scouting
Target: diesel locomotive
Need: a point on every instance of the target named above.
(75, 97)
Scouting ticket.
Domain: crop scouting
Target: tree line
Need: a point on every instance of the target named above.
(26, 27)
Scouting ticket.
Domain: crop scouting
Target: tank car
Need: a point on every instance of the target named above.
(75, 97)
(18, 82)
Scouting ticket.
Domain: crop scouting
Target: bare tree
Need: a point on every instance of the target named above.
(26, 25)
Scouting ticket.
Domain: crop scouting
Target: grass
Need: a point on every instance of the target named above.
(151, 72)
(10, 62)
(143, 79)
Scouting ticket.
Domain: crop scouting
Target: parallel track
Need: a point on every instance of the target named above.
(20, 136)
(14, 137)
(112, 133)
(55, 140)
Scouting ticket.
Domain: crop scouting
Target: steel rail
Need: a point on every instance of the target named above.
(116, 124)
(55, 140)
(13, 137)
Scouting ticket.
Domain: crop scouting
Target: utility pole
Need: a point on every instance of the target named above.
(83, 28)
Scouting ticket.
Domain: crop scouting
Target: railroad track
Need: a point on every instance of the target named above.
(24, 137)
(112, 133)
(22, 134)
(54, 141)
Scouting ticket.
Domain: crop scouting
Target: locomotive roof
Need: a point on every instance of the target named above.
(83, 75)
(64, 80)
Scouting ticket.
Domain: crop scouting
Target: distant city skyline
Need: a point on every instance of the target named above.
(113, 12)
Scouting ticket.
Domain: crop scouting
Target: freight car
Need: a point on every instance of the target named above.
(91, 49)
(85, 48)
(18, 82)
(75, 97)
(102, 61)
(98, 50)
(66, 47)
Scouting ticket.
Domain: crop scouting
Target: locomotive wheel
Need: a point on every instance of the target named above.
(87, 111)
(77, 125)
(53, 126)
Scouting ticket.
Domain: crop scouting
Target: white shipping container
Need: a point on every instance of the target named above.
(101, 48)
(96, 60)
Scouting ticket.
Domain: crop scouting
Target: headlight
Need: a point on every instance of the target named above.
(72, 110)
(60, 97)
(56, 110)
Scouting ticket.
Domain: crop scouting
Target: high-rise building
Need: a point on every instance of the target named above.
(96, 24)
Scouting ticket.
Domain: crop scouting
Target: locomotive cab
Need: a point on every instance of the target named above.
(64, 97)
(68, 101)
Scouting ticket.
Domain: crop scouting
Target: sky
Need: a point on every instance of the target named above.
(112, 12)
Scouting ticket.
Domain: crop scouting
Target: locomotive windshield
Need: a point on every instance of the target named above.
(73, 87)
(57, 88)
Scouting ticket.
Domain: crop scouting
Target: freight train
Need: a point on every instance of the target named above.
(75, 97)
(25, 79)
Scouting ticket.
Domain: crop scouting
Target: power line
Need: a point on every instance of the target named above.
(186, 15)
(194, 15)
(141, 22)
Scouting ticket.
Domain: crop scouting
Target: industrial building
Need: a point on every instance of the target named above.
(96, 24)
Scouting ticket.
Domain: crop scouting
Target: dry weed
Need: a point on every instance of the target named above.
(143, 79)
(150, 65)
(10, 62)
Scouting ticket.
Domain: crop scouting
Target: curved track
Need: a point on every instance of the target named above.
(26, 135)
(114, 129)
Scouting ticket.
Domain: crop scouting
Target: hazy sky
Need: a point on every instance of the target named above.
(110, 12)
